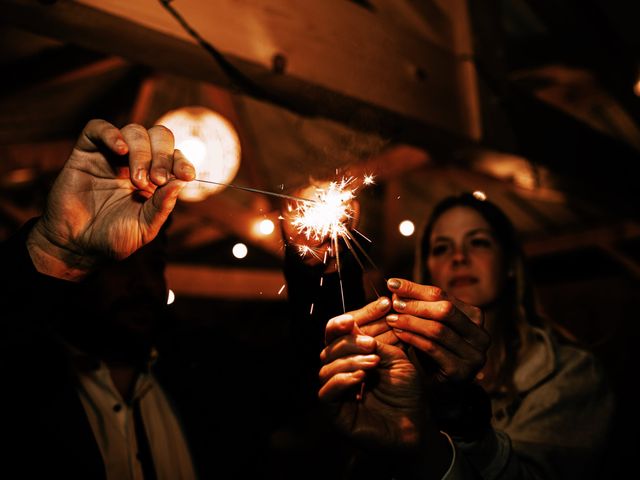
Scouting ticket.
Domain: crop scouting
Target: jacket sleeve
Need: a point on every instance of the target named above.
(28, 298)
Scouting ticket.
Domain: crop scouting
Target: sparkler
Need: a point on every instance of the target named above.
(328, 219)
(321, 218)
(256, 190)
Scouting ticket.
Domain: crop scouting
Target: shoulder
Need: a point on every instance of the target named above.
(549, 359)
(568, 395)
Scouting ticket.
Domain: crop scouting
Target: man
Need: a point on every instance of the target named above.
(82, 299)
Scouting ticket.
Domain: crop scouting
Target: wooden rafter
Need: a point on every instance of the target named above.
(227, 283)
(355, 68)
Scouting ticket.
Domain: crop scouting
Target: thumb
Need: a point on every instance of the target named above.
(160, 205)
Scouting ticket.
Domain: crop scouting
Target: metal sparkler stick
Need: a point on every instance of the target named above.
(256, 190)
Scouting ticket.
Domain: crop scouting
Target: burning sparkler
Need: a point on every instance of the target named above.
(326, 217)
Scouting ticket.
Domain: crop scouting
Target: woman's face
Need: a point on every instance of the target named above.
(465, 258)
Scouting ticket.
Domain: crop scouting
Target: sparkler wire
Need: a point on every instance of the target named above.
(256, 190)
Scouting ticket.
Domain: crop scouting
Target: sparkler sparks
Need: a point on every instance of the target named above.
(328, 215)
(327, 219)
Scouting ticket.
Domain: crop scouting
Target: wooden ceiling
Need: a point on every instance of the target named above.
(431, 97)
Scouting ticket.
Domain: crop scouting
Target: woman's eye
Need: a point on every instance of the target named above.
(438, 250)
(480, 242)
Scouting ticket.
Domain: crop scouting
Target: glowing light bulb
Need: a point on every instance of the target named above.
(266, 227)
(194, 149)
(480, 195)
(171, 297)
(210, 143)
(406, 228)
(239, 250)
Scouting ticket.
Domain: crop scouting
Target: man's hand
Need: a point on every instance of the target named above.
(112, 196)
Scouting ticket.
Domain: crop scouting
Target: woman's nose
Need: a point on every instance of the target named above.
(459, 254)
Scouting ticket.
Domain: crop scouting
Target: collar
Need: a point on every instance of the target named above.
(538, 362)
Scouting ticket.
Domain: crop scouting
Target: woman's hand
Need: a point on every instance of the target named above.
(447, 330)
(112, 196)
(392, 411)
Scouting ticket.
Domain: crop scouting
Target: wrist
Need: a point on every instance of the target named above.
(53, 259)
(433, 459)
(462, 410)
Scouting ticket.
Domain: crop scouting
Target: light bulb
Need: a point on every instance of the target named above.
(210, 143)
(239, 250)
(406, 228)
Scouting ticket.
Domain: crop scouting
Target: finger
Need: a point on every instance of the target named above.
(337, 327)
(388, 338)
(157, 209)
(100, 132)
(338, 385)
(183, 169)
(348, 364)
(347, 345)
(375, 328)
(440, 333)
(474, 313)
(407, 289)
(447, 312)
(137, 138)
(372, 311)
(451, 366)
(162, 145)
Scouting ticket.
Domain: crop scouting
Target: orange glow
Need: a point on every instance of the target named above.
(210, 143)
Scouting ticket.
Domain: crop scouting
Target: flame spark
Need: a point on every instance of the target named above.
(326, 217)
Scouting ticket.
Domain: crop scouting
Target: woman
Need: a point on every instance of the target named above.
(550, 406)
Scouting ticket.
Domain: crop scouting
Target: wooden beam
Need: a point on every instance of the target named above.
(328, 58)
(227, 283)
(577, 93)
(391, 163)
(229, 107)
(594, 237)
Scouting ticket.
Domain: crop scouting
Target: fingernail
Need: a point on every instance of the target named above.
(189, 171)
(392, 318)
(393, 284)
(383, 303)
(398, 330)
(399, 305)
(161, 174)
(141, 175)
(120, 145)
(343, 319)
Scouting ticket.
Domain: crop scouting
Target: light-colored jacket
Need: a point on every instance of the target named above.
(557, 426)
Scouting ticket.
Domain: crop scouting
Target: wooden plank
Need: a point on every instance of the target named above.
(227, 283)
(391, 163)
(337, 60)
(603, 237)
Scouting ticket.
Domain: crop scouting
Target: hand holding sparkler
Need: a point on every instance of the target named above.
(447, 333)
(394, 414)
(112, 196)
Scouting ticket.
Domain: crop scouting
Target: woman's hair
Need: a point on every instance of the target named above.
(516, 309)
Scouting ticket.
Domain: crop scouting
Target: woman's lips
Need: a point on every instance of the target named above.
(462, 281)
